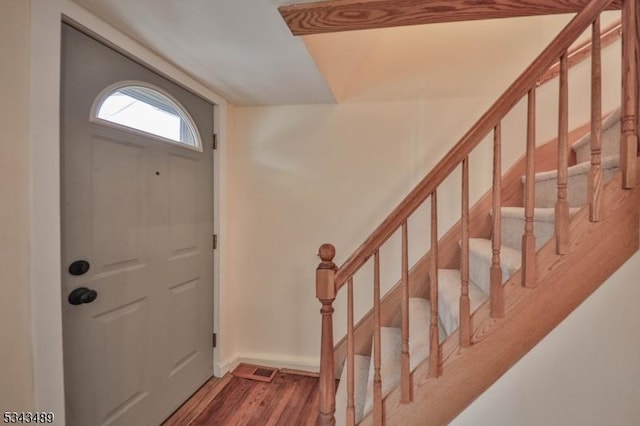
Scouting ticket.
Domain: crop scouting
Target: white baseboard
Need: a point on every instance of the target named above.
(220, 369)
(311, 365)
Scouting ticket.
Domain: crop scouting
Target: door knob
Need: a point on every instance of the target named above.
(82, 295)
(79, 267)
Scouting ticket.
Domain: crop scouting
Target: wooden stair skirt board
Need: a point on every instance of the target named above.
(255, 372)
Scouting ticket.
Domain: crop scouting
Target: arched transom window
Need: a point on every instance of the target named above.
(143, 108)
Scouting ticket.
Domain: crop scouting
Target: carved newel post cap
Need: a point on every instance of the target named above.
(327, 252)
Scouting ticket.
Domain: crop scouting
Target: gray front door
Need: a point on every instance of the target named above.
(139, 210)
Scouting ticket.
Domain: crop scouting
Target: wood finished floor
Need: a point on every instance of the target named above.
(290, 399)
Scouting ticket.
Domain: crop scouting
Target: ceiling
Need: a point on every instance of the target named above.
(243, 50)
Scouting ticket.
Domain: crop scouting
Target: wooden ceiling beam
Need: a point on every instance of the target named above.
(347, 15)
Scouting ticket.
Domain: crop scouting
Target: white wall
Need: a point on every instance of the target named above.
(305, 175)
(585, 372)
(16, 375)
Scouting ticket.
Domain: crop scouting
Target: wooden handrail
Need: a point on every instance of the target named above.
(471, 139)
(581, 52)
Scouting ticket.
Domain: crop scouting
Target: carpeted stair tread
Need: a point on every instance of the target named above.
(546, 191)
(361, 372)
(543, 226)
(480, 254)
(609, 162)
(541, 214)
(449, 288)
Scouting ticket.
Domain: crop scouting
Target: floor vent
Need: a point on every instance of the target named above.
(255, 372)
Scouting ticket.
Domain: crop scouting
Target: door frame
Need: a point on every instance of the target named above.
(45, 251)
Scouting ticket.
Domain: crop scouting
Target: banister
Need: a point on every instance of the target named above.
(471, 139)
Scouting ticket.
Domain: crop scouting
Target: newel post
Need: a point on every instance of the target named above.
(326, 294)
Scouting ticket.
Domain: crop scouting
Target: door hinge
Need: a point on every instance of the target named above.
(214, 341)
(215, 241)
(215, 141)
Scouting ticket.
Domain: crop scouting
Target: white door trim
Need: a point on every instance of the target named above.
(45, 255)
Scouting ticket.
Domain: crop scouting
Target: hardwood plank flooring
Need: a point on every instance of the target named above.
(290, 399)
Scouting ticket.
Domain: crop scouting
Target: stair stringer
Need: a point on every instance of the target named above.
(597, 250)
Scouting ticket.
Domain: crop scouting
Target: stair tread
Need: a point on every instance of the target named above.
(361, 372)
(541, 214)
(609, 162)
(449, 298)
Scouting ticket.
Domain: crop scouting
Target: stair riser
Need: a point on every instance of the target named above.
(547, 190)
(512, 230)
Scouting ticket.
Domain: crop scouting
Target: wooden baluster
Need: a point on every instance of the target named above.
(638, 86)
(465, 303)
(596, 177)
(405, 383)
(497, 293)
(637, 28)
(377, 378)
(629, 127)
(434, 347)
(326, 293)
(529, 238)
(562, 205)
(351, 405)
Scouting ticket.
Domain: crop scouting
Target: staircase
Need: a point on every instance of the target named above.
(480, 261)
(550, 231)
